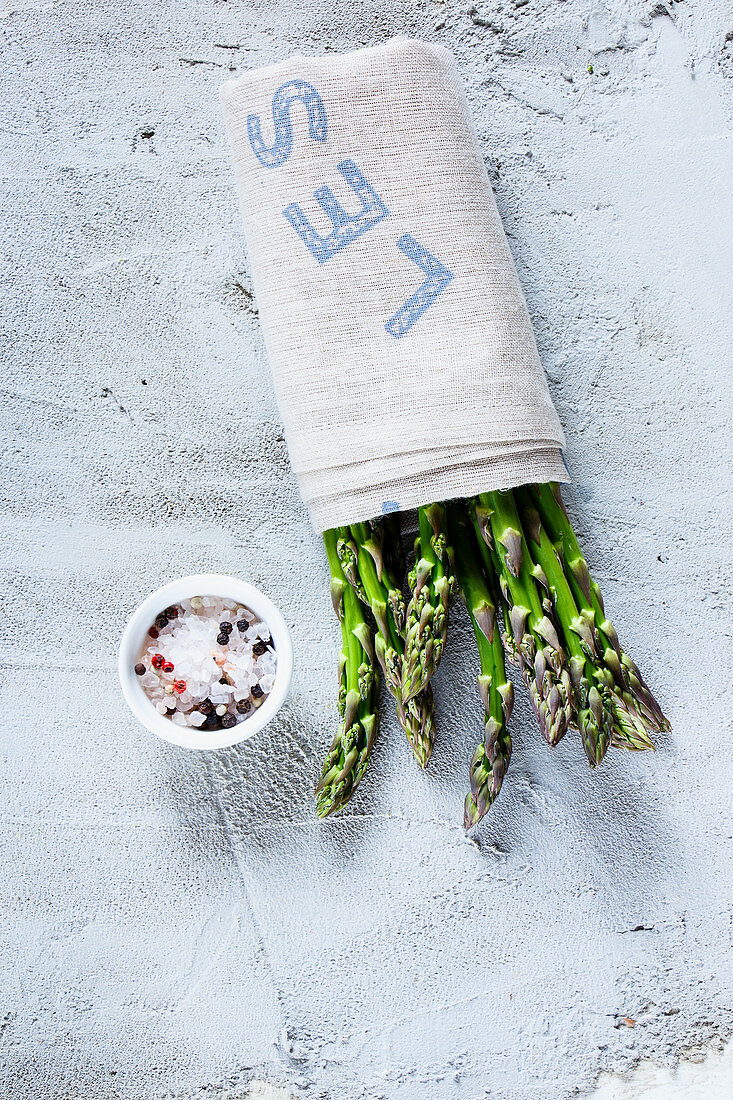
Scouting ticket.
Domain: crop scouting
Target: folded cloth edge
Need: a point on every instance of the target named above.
(449, 483)
(320, 483)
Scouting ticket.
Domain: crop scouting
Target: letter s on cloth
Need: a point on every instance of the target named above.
(294, 91)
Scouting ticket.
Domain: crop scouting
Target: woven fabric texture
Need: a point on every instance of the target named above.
(401, 350)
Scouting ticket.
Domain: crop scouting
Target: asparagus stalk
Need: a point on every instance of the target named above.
(491, 758)
(390, 533)
(348, 757)
(376, 587)
(479, 516)
(416, 718)
(543, 660)
(629, 724)
(383, 542)
(594, 699)
(637, 698)
(432, 583)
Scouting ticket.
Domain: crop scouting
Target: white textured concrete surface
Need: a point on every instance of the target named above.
(703, 1074)
(174, 926)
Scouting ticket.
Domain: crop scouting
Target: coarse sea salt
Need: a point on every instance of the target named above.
(208, 663)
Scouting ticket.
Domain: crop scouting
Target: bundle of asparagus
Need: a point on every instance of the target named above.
(515, 558)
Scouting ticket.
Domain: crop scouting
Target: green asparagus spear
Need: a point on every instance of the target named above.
(637, 697)
(375, 583)
(388, 534)
(348, 756)
(594, 699)
(543, 660)
(631, 722)
(491, 758)
(432, 582)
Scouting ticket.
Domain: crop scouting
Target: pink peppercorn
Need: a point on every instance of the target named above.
(179, 686)
(158, 660)
(168, 666)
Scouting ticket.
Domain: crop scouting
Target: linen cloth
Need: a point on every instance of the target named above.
(402, 354)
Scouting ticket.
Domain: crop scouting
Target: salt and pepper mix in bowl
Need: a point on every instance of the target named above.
(206, 661)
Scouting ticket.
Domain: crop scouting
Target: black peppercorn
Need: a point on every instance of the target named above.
(259, 648)
(222, 639)
(242, 625)
(257, 692)
(211, 722)
(206, 707)
(171, 613)
(161, 620)
(226, 628)
(139, 669)
(243, 706)
(227, 721)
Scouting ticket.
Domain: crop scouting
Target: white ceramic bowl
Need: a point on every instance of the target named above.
(204, 584)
